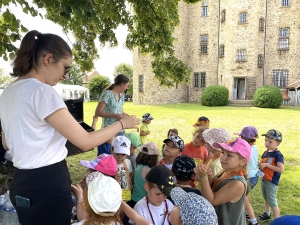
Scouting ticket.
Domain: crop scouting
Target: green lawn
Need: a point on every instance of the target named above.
(182, 116)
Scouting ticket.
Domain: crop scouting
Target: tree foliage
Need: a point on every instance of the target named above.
(96, 85)
(4, 79)
(125, 69)
(150, 27)
(75, 76)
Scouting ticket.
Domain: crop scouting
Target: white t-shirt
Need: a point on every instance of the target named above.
(122, 173)
(32, 141)
(158, 212)
(82, 221)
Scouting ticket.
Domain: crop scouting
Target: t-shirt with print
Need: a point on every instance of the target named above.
(123, 175)
(82, 222)
(198, 153)
(272, 158)
(112, 106)
(159, 213)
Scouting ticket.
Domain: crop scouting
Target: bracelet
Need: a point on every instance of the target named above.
(203, 176)
(121, 124)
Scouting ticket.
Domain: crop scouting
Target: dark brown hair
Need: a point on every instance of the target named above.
(35, 45)
(120, 79)
(174, 130)
(93, 218)
(145, 159)
(249, 140)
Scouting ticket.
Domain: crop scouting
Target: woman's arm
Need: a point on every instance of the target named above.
(100, 112)
(62, 121)
(3, 141)
(133, 215)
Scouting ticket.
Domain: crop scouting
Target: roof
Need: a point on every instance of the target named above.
(60, 86)
(294, 85)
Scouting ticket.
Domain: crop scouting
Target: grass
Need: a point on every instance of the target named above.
(182, 116)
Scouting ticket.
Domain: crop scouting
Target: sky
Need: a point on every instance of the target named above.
(109, 57)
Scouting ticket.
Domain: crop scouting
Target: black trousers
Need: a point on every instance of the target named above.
(48, 189)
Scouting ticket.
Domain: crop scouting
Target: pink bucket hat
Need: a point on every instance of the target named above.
(248, 132)
(104, 163)
(216, 135)
(238, 146)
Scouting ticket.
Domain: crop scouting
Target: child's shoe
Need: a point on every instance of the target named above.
(247, 217)
(253, 224)
(263, 217)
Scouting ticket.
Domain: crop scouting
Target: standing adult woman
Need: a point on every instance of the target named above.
(110, 106)
(36, 124)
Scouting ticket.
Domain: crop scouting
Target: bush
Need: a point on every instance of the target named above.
(214, 96)
(267, 97)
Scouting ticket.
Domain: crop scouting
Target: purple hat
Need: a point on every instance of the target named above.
(286, 220)
(248, 132)
(104, 163)
(238, 146)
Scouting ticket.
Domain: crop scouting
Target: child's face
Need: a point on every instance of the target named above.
(174, 216)
(155, 196)
(232, 161)
(147, 121)
(171, 150)
(172, 134)
(198, 140)
(120, 158)
(271, 144)
(209, 148)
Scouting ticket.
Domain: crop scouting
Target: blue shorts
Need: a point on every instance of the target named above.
(253, 181)
(269, 192)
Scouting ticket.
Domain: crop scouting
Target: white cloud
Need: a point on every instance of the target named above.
(109, 57)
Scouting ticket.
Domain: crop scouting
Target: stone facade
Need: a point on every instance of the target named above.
(261, 42)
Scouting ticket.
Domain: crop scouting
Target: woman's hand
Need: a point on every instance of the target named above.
(119, 116)
(130, 122)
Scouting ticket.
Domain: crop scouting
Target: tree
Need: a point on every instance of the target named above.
(150, 27)
(75, 76)
(125, 69)
(4, 79)
(97, 85)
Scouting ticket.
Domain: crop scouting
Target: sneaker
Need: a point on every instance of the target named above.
(247, 217)
(263, 217)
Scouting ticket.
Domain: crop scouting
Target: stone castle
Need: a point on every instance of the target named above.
(240, 44)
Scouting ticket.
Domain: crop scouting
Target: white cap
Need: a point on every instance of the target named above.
(121, 145)
(104, 194)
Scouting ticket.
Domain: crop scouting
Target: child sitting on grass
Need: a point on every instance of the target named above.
(155, 206)
(228, 189)
(183, 169)
(191, 209)
(144, 129)
(173, 147)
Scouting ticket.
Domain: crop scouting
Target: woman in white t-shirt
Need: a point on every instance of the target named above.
(35, 126)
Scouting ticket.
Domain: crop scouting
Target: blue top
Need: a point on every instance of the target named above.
(253, 163)
(112, 106)
(104, 148)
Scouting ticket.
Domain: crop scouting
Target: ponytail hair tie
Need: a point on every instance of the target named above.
(38, 35)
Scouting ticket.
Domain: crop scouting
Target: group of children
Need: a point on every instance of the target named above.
(201, 182)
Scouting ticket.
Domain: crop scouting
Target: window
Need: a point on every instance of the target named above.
(222, 51)
(261, 24)
(260, 61)
(223, 15)
(203, 44)
(241, 55)
(141, 83)
(279, 78)
(199, 79)
(204, 8)
(243, 18)
(285, 2)
(284, 39)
